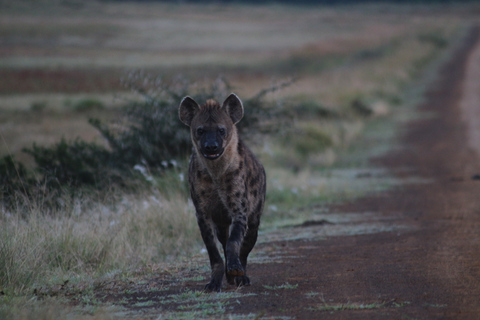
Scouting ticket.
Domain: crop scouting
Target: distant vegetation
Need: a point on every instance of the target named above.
(148, 139)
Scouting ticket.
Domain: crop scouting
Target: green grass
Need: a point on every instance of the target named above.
(191, 304)
(329, 307)
(286, 286)
(349, 306)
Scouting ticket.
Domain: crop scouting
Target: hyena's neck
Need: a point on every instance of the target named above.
(227, 162)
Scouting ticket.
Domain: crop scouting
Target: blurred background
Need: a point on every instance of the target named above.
(64, 61)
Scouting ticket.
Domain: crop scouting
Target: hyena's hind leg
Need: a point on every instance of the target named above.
(216, 262)
(247, 246)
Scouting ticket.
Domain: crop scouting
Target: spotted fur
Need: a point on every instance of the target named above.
(227, 185)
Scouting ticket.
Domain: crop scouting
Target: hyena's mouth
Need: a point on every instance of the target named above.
(212, 156)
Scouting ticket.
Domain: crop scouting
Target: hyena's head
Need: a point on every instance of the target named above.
(212, 126)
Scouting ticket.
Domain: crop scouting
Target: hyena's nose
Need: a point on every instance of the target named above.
(211, 147)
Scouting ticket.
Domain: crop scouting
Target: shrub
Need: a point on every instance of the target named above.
(436, 38)
(77, 163)
(14, 180)
(86, 105)
(308, 140)
(151, 133)
(147, 140)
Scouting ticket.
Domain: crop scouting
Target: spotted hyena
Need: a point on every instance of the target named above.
(227, 186)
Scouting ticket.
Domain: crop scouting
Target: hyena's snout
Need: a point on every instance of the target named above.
(211, 144)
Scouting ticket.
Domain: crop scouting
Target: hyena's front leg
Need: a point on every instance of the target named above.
(234, 243)
(216, 262)
(222, 235)
(247, 246)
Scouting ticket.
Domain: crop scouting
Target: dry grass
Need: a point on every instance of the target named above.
(44, 249)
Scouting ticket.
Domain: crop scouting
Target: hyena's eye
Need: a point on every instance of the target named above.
(200, 131)
(222, 131)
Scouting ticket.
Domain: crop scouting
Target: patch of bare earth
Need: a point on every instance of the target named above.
(430, 270)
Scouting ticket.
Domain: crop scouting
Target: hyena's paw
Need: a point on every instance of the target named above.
(230, 279)
(234, 268)
(213, 286)
(242, 281)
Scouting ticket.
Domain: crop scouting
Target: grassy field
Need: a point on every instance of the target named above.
(357, 71)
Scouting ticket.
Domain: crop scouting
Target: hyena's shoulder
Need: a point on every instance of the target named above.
(199, 181)
(254, 174)
(252, 166)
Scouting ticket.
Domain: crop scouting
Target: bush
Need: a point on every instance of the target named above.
(78, 163)
(86, 105)
(151, 132)
(308, 140)
(147, 140)
(14, 180)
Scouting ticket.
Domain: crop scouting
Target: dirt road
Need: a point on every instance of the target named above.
(430, 270)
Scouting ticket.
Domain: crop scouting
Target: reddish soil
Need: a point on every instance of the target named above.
(430, 270)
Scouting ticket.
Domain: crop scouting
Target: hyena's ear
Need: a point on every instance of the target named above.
(187, 110)
(234, 107)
